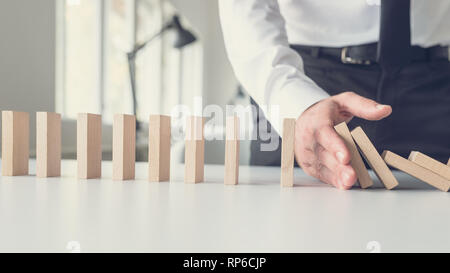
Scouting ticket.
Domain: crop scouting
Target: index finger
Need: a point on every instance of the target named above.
(327, 137)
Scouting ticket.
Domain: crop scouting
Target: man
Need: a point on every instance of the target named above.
(323, 62)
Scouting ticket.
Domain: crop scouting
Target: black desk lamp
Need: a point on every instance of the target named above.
(183, 37)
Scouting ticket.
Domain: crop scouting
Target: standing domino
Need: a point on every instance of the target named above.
(232, 151)
(89, 146)
(374, 159)
(15, 143)
(124, 147)
(287, 153)
(48, 144)
(159, 148)
(357, 163)
(194, 155)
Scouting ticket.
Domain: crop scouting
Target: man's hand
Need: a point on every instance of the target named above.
(319, 150)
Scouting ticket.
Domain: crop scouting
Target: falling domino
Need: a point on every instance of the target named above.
(48, 144)
(374, 159)
(448, 163)
(287, 153)
(194, 150)
(430, 164)
(124, 147)
(415, 170)
(89, 146)
(15, 143)
(232, 151)
(159, 148)
(357, 163)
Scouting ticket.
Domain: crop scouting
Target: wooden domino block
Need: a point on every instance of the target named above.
(374, 159)
(357, 163)
(194, 150)
(415, 170)
(430, 164)
(48, 144)
(89, 146)
(232, 151)
(124, 147)
(15, 143)
(448, 163)
(159, 148)
(287, 153)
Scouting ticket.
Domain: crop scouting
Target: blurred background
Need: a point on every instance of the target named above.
(70, 56)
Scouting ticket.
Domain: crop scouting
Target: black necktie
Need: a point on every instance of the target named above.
(394, 45)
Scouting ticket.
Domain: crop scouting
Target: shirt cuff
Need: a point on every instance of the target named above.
(292, 100)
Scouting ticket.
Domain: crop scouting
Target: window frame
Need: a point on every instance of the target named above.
(102, 24)
(102, 10)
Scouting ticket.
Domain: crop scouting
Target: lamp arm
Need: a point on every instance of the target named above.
(139, 47)
(131, 56)
(132, 71)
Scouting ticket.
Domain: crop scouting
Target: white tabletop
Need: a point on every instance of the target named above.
(54, 214)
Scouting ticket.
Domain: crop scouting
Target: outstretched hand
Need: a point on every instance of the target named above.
(319, 150)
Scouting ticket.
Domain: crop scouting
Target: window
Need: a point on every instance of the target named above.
(94, 38)
(81, 59)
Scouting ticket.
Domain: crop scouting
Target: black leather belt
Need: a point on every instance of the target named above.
(367, 54)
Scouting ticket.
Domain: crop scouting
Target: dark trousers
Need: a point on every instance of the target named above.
(419, 94)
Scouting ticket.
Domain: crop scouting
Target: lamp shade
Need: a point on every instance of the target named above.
(183, 37)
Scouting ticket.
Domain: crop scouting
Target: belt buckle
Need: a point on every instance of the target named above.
(349, 60)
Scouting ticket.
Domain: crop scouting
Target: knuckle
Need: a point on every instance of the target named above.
(322, 130)
(317, 166)
(328, 123)
(335, 179)
(337, 146)
(321, 177)
(305, 139)
(318, 150)
(348, 94)
(305, 164)
(323, 157)
(305, 158)
(324, 137)
(310, 171)
(308, 131)
(318, 133)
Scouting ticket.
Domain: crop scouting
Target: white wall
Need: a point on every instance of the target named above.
(27, 57)
(27, 65)
(219, 82)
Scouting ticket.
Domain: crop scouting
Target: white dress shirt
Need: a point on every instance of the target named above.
(257, 35)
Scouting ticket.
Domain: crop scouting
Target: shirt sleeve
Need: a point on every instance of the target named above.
(258, 49)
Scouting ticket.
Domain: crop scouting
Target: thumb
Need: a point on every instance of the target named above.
(362, 107)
